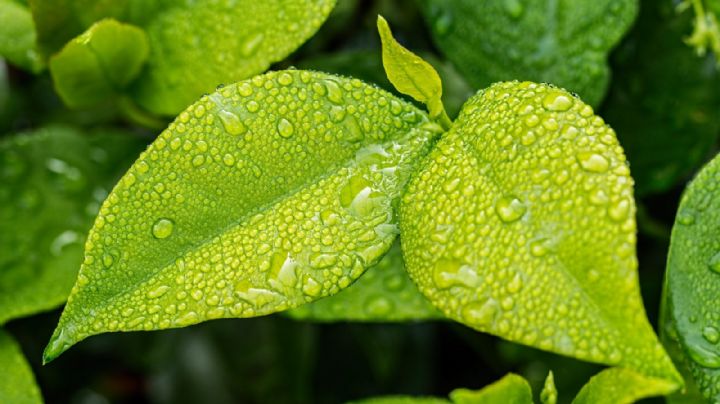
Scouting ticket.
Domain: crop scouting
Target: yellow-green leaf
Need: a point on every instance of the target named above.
(511, 389)
(521, 223)
(17, 36)
(410, 74)
(622, 386)
(100, 63)
(260, 197)
(549, 394)
(383, 293)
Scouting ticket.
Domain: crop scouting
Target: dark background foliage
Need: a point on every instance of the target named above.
(662, 104)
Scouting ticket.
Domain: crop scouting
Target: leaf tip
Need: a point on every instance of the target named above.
(60, 342)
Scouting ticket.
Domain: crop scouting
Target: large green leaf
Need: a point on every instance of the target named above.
(666, 117)
(383, 293)
(194, 46)
(621, 386)
(564, 42)
(691, 317)
(265, 195)
(17, 36)
(521, 223)
(17, 383)
(100, 63)
(51, 184)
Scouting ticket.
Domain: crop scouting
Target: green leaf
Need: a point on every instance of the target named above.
(692, 282)
(265, 195)
(549, 393)
(521, 223)
(53, 182)
(367, 65)
(706, 30)
(17, 36)
(621, 386)
(383, 293)
(401, 400)
(666, 139)
(17, 383)
(411, 75)
(560, 42)
(511, 389)
(100, 63)
(196, 46)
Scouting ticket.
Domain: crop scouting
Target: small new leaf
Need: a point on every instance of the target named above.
(411, 75)
(17, 36)
(511, 389)
(622, 386)
(17, 383)
(100, 63)
(265, 195)
(549, 393)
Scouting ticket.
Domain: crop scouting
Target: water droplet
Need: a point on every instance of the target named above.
(334, 93)
(711, 334)
(337, 113)
(443, 22)
(510, 209)
(593, 162)
(703, 356)
(311, 287)
(285, 79)
(714, 263)
(251, 44)
(245, 89)
(229, 160)
(163, 228)
(231, 123)
(285, 128)
(480, 313)
(557, 101)
(198, 160)
(186, 319)
(378, 306)
(158, 291)
(108, 260)
(449, 272)
(619, 210)
(686, 217)
(63, 240)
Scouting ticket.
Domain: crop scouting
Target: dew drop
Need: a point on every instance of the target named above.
(703, 357)
(334, 93)
(714, 263)
(285, 79)
(711, 334)
(245, 89)
(510, 209)
(285, 128)
(162, 228)
(619, 210)
(480, 313)
(229, 160)
(557, 101)
(593, 162)
(158, 291)
(231, 123)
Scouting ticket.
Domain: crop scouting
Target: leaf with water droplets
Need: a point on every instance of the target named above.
(410, 74)
(51, 184)
(194, 46)
(231, 214)
(383, 293)
(17, 383)
(17, 36)
(100, 63)
(521, 223)
(690, 320)
(560, 42)
(622, 386)
(511, 389)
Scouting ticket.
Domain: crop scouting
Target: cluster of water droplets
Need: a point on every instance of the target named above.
(523, 219)
(260, 197)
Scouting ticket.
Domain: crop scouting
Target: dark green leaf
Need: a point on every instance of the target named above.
(560, 42)
(52, 183)
(691, 317)
(383, 293)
